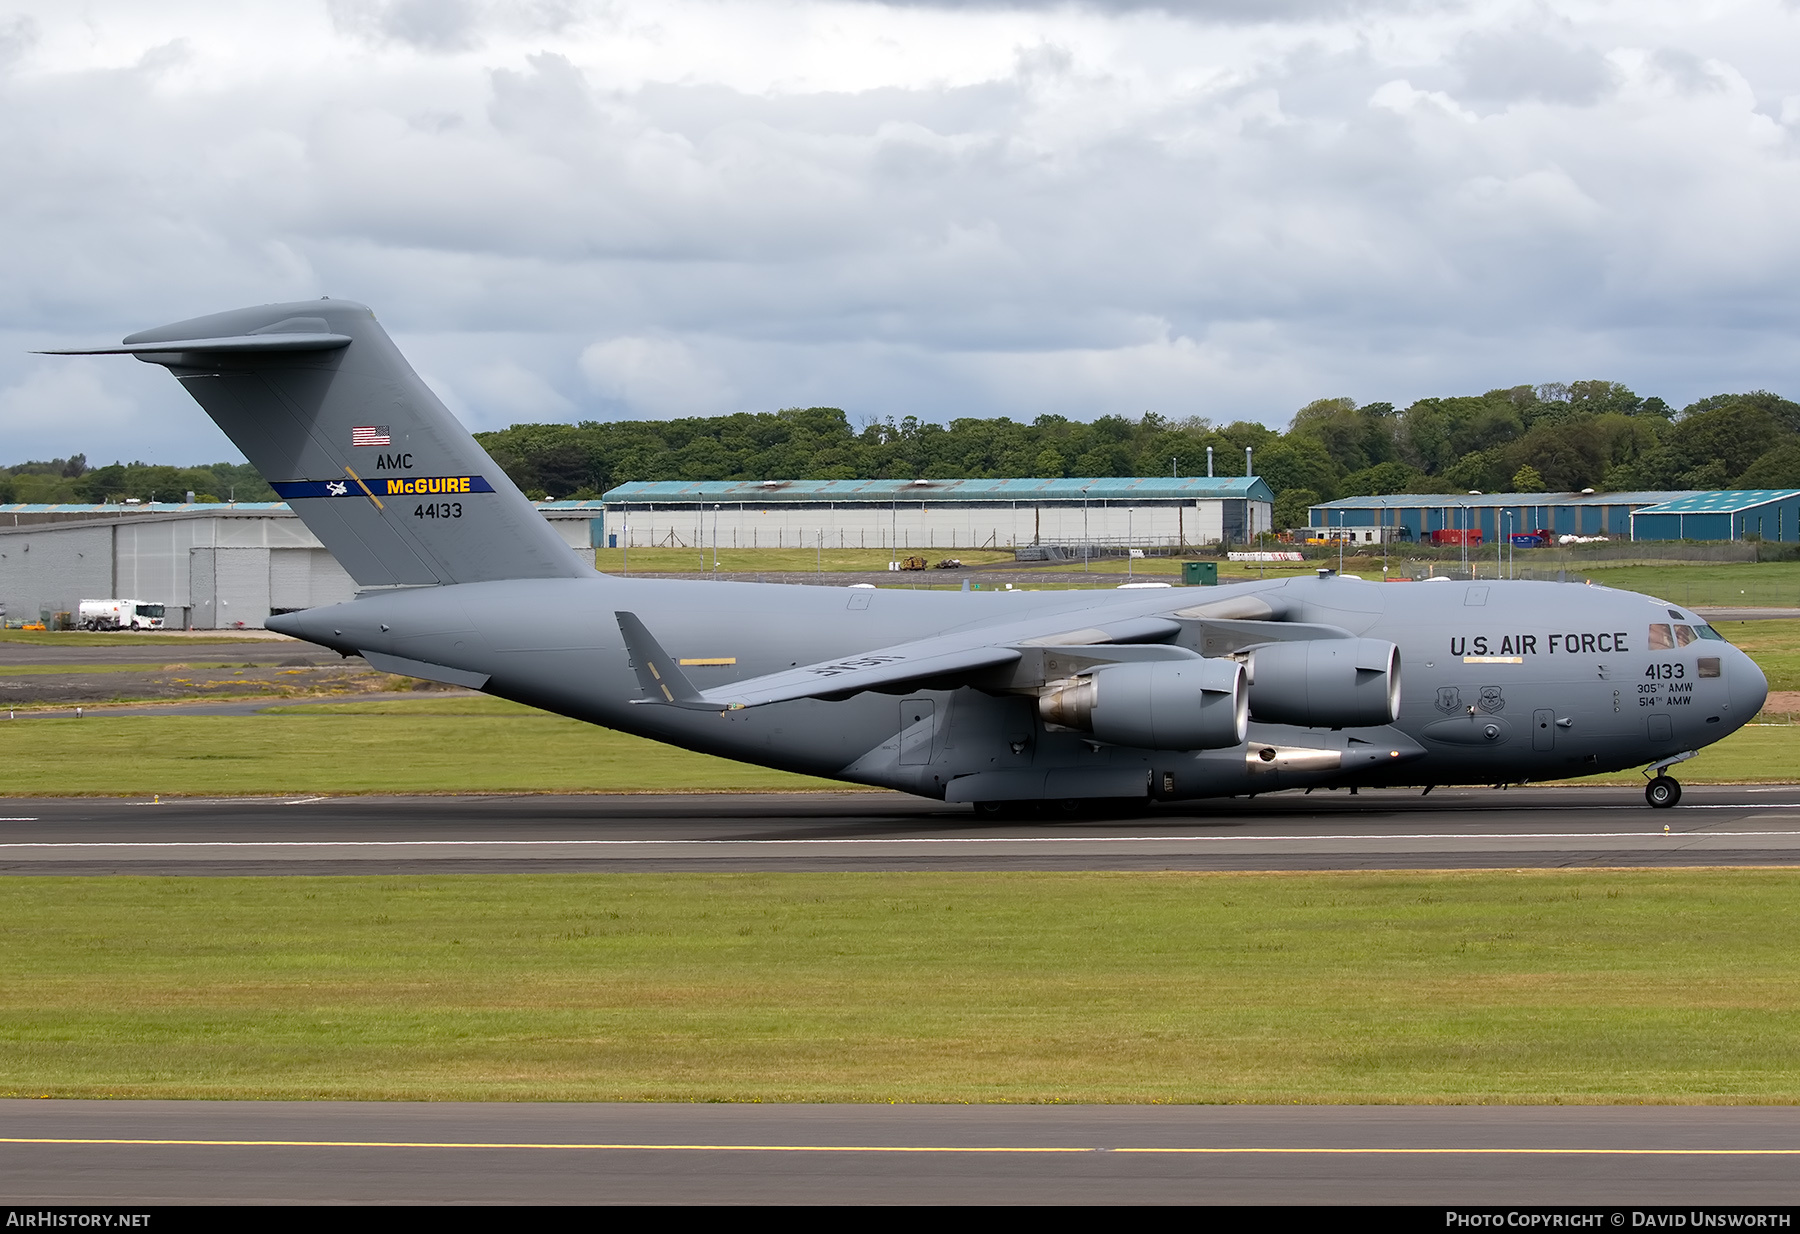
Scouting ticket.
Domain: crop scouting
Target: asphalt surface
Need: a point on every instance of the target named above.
(283, 651)
(181, 1152)
(1375, 829)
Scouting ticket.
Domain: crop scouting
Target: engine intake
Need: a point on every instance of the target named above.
(1326, 683)
(1199, 704)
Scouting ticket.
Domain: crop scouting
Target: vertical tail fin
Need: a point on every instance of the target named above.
(321, 402)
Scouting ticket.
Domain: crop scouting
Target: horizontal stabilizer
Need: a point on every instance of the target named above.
(243, 343)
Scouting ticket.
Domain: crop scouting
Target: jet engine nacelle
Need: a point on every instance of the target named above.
(1326, 683)
(1197, 704)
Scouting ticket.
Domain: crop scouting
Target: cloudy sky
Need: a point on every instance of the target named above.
(601, 209)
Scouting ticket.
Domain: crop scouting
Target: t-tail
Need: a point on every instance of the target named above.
(321, 402)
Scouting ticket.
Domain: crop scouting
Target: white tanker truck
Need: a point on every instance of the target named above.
(119, 615)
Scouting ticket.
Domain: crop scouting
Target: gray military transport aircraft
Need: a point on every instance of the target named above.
(1006, 700)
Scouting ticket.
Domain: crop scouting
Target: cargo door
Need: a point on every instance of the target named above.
(918, 719)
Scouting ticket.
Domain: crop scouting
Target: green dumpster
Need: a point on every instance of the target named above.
(1200, 573)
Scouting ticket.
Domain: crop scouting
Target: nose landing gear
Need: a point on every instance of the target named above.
(1664, 791)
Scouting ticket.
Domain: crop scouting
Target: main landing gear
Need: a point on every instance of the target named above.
(1664, 791)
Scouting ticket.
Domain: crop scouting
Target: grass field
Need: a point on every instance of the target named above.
(1554, 986)
(1772, 584)
(399, 746)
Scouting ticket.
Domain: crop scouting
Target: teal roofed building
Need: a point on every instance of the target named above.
(1727, 514)
(1419, 516)
(937, 514)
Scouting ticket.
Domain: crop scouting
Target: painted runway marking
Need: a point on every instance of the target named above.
(18, 820)
(1209, 1150)
(944, 840)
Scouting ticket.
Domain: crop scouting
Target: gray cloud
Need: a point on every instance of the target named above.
(1224, 11)
(1099, 216)
(1511, 66)
(430, 25)
(1685, 70)
(449, 25)
(16, 38)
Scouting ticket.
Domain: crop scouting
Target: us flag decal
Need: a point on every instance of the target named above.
(370, 435)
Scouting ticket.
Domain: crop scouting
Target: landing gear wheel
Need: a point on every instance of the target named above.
(1662, 792)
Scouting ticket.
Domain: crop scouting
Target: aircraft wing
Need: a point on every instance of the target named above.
(962, 653)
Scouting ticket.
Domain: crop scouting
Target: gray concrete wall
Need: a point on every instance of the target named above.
(54, 568)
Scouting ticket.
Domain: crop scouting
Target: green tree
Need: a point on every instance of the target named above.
(1353, 437)
(1706, 449)
(1779, 468)
(1527, 480)
(1383, 479)
(1293, 507)
(1299, 462)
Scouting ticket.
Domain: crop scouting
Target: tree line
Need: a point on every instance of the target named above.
(1555, 437)
(72, 480)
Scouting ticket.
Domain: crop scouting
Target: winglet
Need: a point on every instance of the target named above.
(662, 680)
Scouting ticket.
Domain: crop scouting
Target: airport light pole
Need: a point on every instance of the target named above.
(1087, 545)
(715, 541)
(1381, 530)
(1467, 517)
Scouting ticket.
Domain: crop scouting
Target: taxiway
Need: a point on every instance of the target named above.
(1375, 829)
(184, 1152)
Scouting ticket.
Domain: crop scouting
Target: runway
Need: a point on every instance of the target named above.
(183, 1152)
(1376, 829)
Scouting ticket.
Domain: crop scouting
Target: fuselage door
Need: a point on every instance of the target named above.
(918, 718)
(1543, 729)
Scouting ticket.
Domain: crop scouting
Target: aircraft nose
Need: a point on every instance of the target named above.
(1749, 688)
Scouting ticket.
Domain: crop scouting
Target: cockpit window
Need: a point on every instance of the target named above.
(1661, 638)
(1709, 632)
(1684, 635)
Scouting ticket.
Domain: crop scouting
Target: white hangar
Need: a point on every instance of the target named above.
(213, 567)
(1140, 511)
